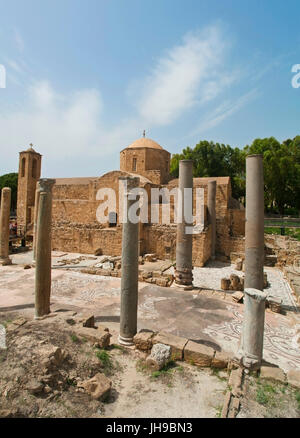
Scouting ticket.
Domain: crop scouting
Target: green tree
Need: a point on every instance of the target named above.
(214, 159)
(10, 180)
(281, 171)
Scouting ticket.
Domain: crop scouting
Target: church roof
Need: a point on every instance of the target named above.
(144, 142)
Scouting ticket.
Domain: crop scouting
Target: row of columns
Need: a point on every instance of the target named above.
(251, 345)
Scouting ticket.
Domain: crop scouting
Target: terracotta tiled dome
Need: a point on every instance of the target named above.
(144, 143)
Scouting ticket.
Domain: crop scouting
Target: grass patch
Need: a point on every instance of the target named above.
(74, 338)
(265, 394)
(166, 370)
(106, 361)
(292, 232)
(216, 372)
(165, 374)
(219, 411)
(118, 347)
(5, 323)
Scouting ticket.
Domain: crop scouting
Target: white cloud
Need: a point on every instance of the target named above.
(19, 40)
(62, 126)
(189, 73)
(223, 111)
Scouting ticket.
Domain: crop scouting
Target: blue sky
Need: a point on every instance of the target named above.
(85, 78)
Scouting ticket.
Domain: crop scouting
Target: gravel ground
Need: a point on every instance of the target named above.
(209, 277)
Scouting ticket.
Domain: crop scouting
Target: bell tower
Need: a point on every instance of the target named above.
(29, 173)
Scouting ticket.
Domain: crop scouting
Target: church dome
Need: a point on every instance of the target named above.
(144, 143)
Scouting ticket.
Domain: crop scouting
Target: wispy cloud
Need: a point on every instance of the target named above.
(19, 40)
(188, 74)
(224, 111)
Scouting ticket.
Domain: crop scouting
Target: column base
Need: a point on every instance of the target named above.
(183, 286)
(127, 342)
(184, 277)
(248, 361)
(5, 261)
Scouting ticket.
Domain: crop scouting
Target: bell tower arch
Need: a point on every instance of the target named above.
(29, 173)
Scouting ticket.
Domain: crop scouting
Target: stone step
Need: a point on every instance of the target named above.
(270, 260)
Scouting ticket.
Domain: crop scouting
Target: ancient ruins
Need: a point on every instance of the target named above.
(75, 227)
(165, 293)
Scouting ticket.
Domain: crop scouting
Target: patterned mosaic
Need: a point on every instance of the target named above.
(279, 345)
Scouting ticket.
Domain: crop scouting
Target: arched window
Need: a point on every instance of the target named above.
(134, 165)
(112, 219)
(23, 167)
(34, 168)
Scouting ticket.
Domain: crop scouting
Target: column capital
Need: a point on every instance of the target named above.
(45, 184)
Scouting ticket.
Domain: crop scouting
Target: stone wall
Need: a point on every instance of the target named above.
(285, 248)
(154, 164)
(73, 237)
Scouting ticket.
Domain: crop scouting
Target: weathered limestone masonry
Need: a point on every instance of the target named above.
(75, 227)
(184, 243)
(43, 249)
(4, 226)
(211, 205)
(29, 174)
(251, 346)
(130, 269)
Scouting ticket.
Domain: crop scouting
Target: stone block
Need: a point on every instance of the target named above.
(98, 387)
(176, 343)
(199, 354)
(143, 340)
(225, 284)
(293, 378)
(272, 373)
(234, 407)
(238, 297)
(226, 404)
(221, 359)
(236, 381)
(100, 336)
(34, 386)
(88, 321)
(234, 281)
(238, 264)
(159, 357)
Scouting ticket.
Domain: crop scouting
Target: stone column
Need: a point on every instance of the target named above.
(254, 228)
(36, 209)
(130, 268)
(43, 249)
(251, 347)
(211, 207)
(4, 226)
(184, 241)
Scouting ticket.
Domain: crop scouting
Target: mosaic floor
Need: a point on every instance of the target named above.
(279, 337)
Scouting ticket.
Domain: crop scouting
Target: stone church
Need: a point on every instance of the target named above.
(74, 224)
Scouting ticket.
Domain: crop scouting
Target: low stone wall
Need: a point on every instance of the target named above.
(285, 248)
